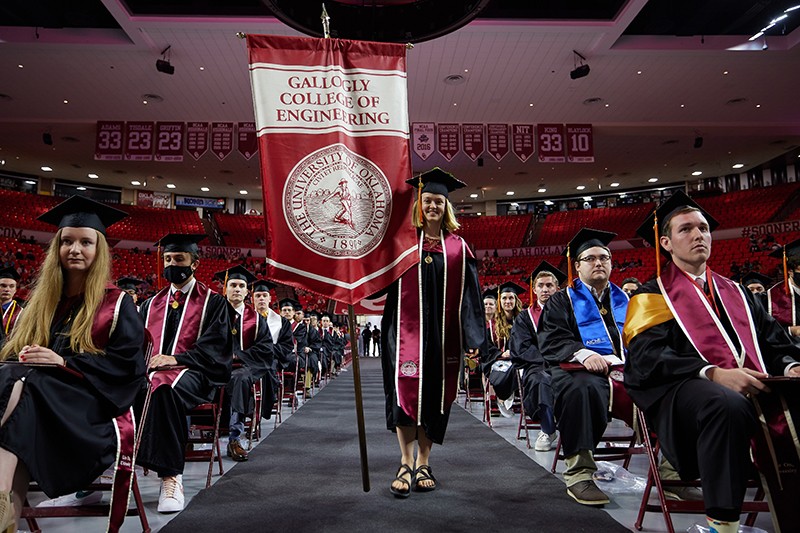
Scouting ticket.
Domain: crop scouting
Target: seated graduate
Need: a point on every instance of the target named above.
(282, 343)
(9, 283)
(537, 396)
(80, 363)
(783, 299)
(697, 343)
(190, 327)
(583, 324)
(131, 286)
(253, 355)
(329, 342)
(757, 283)
(501, 376)
(315, 343)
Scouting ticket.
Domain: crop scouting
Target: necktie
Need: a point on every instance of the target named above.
(701, 284)
(177, 299)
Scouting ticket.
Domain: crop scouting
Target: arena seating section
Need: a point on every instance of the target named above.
(736, 209)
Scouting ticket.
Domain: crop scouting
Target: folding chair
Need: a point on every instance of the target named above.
(526, 423)
(667, 507)
(477, 392)
(204, 422)
(277, 406)
(253, 427)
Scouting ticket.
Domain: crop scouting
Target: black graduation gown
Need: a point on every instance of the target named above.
(283, 359)
(300, 334)
(209, 361)
(315, 343)
(581, 397)
(62, 429)
(256, 360)
(525, 355)
(662, 358)
(433, 421)
(329, 344)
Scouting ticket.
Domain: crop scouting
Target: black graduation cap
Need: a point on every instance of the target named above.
(236, 272)
(180, 242)
(756, 277)
(263, 285)
(286, 302)
(129, 284)
(587, 238)
(490, 293)
(323, 315)
(545, 266)
(313, 314)
(510, 286)
(297, 306)
(437, 181)
(9, 273)
(81, 212)
(792, 249)
(666, 211)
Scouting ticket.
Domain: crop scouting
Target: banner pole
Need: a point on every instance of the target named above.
(362, 438)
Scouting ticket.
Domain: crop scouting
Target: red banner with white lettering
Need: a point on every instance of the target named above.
(447, 140)
(497, 139)
(222, 139)
(139, 141)
(108, 144)
(364, 307)
(197, 139)
(248, 140)
(332, 122)
(551, 143)
(522, 141)
(422, 138)
(472, 135)
(169, 141)
(580, 143)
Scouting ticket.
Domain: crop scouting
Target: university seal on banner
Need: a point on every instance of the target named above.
(337, 203)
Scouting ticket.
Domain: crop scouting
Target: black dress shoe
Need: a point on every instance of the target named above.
(236, 452)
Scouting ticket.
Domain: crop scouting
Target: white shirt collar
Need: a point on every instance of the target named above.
(186, 289)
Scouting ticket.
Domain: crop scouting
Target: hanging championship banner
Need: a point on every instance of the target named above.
(423, 136)
(222, 139)
(522, 141)
(580, 143)
(447, 140)
(197, 139)
(247, 140)
(551, 143)
(472, 135)
(108, 141)
(497, 139)
(138, 141)
(169, 141)
(332, 123)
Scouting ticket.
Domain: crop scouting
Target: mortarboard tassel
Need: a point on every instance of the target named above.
(225, 283)
(530, 290)
(158, 269)
(419, 200)
(569, 268)
(658, 246)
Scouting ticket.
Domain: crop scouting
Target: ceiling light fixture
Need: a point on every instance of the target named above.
(243, 191)
(47, 169)
(542, 189)
(653, 180)
(697, 173)
(163, 64)
(93, 176)
(81, 188)
(204, 189)
(136, 183)
(509, 193)
(615, 184)
(580, 187)
(473, 195)
(580, 71)
(170, 185)
(738, 165)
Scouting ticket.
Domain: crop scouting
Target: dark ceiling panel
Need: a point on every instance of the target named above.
(553, 9)
(215, 8)
(56, 14)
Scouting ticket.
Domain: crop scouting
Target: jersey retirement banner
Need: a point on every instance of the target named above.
(332, 124)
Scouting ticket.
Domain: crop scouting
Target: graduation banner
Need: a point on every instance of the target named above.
(332, 125)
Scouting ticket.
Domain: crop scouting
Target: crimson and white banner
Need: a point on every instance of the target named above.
(580, 143)
(108, 144)
(364, 307)
(197, 139)
(139, 141)
(447, 140)
(247, 139)
(472, 135)
(222, 139)
(497, 139)
(169, 141)
(332, 123)
(551, 143)
(422, 138)
(523, 141)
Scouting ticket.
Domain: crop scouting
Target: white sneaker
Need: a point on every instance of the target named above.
(505, 407)
(74, 500)
(170, 498)
(544, 442)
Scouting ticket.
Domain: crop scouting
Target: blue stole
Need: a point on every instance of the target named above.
(590, 323)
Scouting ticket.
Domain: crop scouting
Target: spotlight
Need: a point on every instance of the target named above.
(580, 71)
(480, 161)
(47, 139)
(163, 64)
(698, 142)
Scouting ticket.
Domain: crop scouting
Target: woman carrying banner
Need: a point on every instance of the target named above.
(433, 314)
(72, 364)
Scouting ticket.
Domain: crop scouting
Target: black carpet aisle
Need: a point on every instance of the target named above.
(305, 476)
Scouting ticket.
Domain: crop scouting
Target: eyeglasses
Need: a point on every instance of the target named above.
(593, 258)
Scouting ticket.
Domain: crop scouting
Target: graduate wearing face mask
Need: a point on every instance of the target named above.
(190, 327)
(783, 299)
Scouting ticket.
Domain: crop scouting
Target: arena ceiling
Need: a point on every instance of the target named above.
(663, 72)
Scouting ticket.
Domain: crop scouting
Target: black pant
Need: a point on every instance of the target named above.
(581, 408)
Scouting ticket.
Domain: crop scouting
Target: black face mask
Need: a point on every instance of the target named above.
(177, 274)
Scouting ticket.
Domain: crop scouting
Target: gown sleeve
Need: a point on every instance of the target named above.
(212, 353)
(260, 356)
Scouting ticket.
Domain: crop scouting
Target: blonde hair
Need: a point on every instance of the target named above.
(33, 326)
(503, 326)
(449, 221)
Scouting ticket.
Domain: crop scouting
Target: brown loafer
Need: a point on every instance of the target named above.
(587, 493)
(236, 452)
